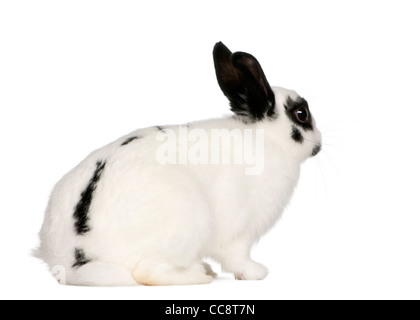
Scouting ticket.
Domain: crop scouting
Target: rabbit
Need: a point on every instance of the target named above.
(123, 217)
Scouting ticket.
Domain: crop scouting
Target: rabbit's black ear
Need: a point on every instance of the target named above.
(243, 82)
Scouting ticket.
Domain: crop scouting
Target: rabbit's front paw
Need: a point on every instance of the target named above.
(252, 271)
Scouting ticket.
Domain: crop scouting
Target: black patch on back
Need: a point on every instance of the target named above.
(316, 150)
(81, 212)
(131, 139)
(297, 135)
(161, 129)
(80, 258)
(292, 105)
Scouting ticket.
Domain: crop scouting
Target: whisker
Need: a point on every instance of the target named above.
(343, 152)
(336, 130)
(309, 140)
(339, 121)
(313, 99)
(324, 181)
(333, 165)
(306, 88)
(326, 143)
(333, 141)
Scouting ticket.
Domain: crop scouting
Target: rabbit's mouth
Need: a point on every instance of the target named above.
(316, 150)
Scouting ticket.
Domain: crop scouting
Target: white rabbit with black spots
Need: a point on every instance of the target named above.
(125, 217)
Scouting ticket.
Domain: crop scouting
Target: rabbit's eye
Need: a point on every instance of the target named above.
(302, 114)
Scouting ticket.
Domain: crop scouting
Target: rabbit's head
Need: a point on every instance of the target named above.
(253, 100)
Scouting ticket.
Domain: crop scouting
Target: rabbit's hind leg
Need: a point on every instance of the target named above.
(164, 274)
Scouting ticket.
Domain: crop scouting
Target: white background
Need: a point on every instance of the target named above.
(75, 75)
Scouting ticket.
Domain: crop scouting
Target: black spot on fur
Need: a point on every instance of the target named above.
(316, 150)
(81, 212)
(129, 140)
(161, 129)
(297, 135)
(80, 258)
(292, 105)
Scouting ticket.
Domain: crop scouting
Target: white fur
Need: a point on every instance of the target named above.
(153, 224)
